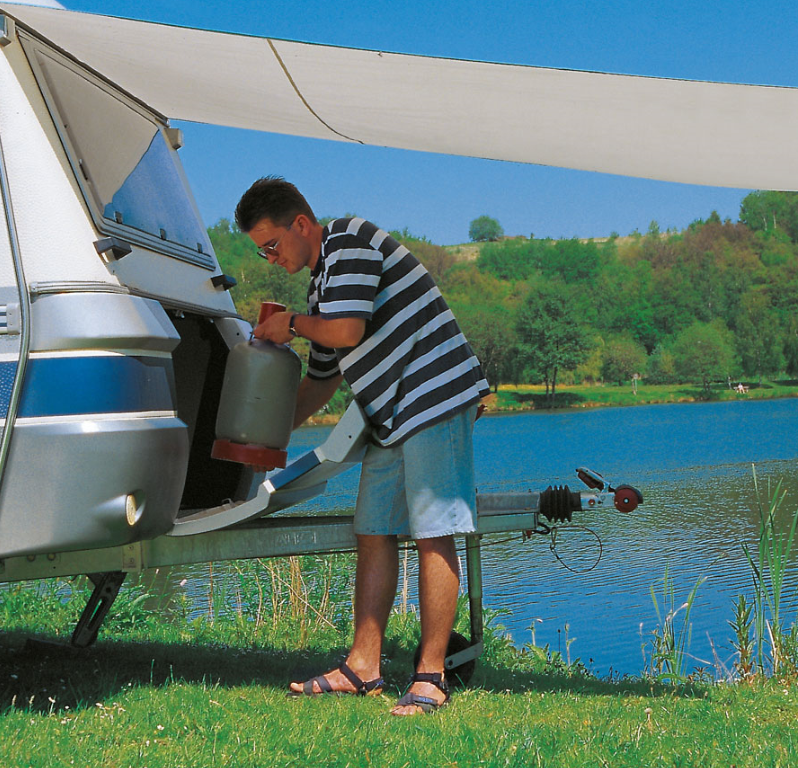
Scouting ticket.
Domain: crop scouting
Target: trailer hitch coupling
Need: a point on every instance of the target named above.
(557, 504)
(625, 498)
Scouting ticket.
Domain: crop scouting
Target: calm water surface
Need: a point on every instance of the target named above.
(694, 466)
(692, 462)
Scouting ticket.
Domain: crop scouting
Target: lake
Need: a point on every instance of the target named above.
(693, 464)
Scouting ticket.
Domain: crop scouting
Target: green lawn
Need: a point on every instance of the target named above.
(227, 720)
(160, 689)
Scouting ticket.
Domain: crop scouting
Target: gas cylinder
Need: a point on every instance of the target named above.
(258, 400)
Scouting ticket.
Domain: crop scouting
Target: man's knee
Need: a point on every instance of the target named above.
(437, 549)
(435, 544)
(375, 543)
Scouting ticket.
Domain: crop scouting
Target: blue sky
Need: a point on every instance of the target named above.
(437, 196)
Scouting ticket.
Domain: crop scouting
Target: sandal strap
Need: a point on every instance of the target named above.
(321, 681)
(361, 686)
(436, 678)
(424, 703)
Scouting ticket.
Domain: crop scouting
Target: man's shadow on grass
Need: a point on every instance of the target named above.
(44, 674)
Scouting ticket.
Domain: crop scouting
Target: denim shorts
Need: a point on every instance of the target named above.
(422, 488)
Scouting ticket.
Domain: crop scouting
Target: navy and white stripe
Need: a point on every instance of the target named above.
(413, 366)
(90, 385)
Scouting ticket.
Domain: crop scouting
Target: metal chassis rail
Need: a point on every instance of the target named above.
(284, 536)
(266, 537)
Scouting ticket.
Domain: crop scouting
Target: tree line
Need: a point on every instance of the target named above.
(715, 302)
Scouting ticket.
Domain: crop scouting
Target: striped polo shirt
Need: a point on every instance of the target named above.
(413, 366)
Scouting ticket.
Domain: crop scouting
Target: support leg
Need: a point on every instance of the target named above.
(474, 573)
(106, 588)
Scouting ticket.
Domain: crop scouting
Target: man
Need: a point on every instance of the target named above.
(376, 318)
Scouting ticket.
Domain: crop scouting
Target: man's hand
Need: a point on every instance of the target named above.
(275, 328)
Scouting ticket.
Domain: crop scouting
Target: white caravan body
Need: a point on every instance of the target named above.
(115, 318)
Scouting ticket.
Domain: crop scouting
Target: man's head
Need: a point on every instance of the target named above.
(271, 198)
(280, 222)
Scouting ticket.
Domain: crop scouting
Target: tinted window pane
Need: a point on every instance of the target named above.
(124, 158)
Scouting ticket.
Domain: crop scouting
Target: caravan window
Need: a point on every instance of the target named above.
(128, 170)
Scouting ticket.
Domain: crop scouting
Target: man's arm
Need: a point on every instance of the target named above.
(336, 333)
(314, 394)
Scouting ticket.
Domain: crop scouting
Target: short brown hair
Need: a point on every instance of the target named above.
(273, 198)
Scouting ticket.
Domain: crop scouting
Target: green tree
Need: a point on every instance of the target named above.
(623, 358)
(551, 334)
(661, 366)
(511, 259)
(589, 370)
(485, 228)
(791, 347)
(770, 212)
(435, 258)
(759, 340)
(572, 260)
(490, 333)
(623, 302)
(465, 284)
(704, 353)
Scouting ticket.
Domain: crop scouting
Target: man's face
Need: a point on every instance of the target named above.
(283, 246)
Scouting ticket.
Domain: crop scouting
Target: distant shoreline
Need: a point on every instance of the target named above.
(532, 397)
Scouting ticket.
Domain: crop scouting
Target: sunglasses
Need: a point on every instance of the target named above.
(271, 250)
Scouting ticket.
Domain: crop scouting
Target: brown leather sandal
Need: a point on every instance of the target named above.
(425, 703)
(362, 688)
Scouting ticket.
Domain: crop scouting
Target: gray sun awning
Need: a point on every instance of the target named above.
(716, 134)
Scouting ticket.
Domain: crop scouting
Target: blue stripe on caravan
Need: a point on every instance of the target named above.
(67, 386)
(7, 372)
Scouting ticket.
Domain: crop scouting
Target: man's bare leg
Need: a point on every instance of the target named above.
(375, 590)
(438, 585)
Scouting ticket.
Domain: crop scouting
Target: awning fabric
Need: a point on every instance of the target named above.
(716, 134)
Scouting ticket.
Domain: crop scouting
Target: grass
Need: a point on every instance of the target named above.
(157, 704)
(174, 682)
(533, 396)
(204, 723)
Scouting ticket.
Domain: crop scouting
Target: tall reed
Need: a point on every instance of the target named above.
(672, 636)
(745, 665)
(768, 571)
(283, 601)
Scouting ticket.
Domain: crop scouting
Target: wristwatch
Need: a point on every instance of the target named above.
(291, 327)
